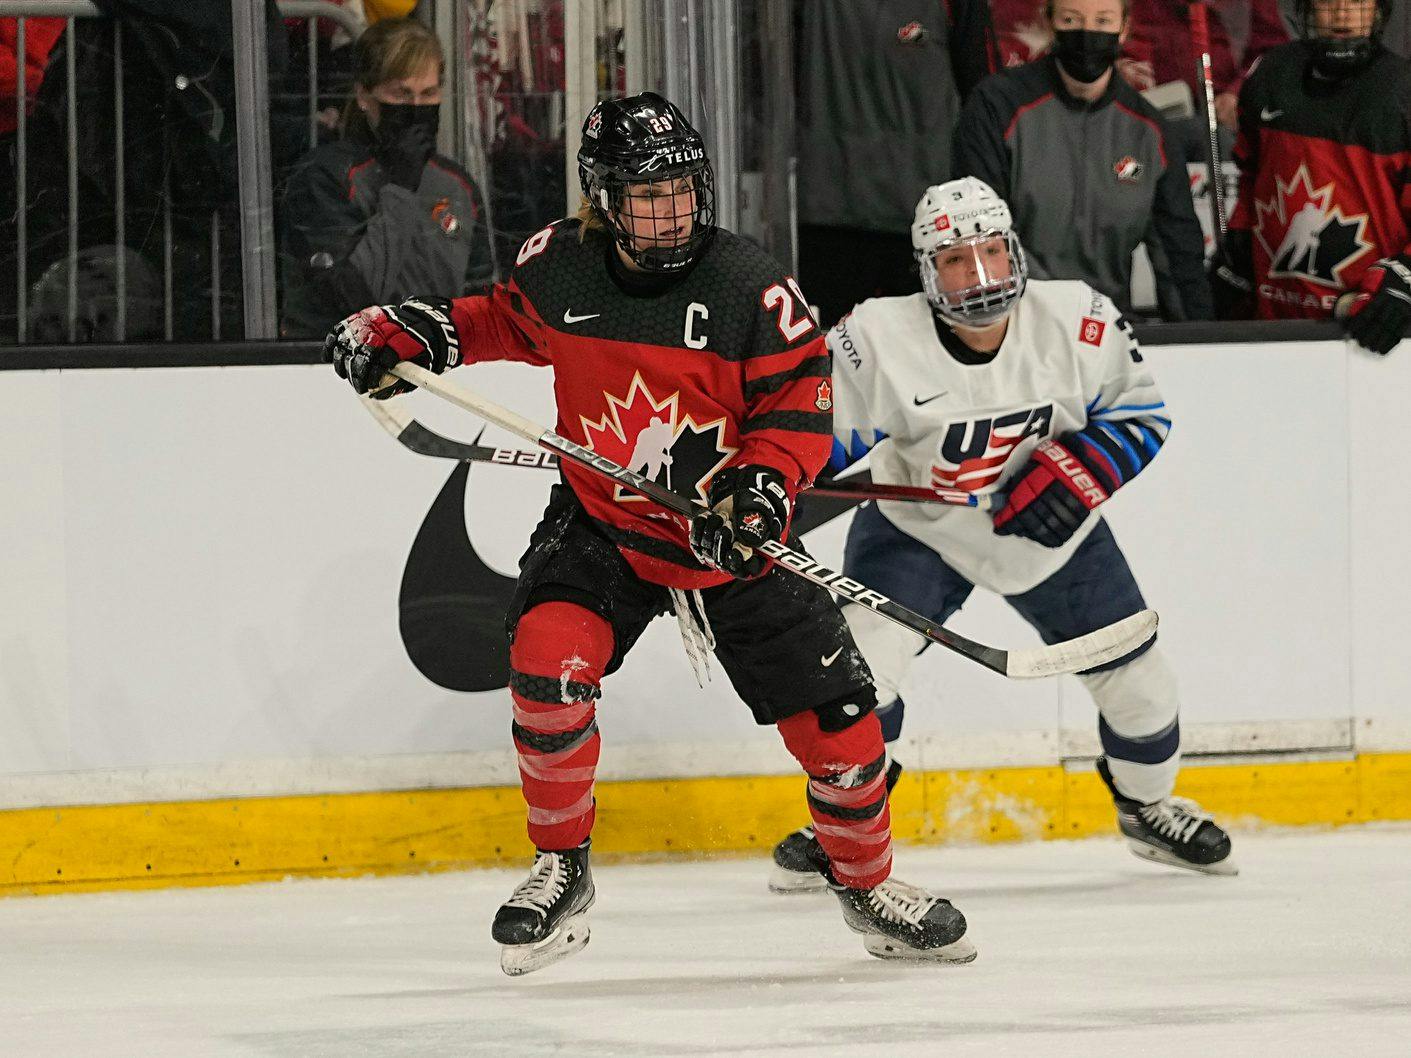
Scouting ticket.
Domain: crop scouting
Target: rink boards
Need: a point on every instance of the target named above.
(202, 673)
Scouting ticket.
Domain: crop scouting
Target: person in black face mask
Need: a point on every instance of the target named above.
(1087, 165)
(1322, 225)
(378, 214)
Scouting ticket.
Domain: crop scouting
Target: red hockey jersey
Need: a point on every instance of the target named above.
(1325, 178)
(722, 367)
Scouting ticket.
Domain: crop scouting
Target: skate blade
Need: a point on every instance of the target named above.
(956, 952)
(1225, 868)
(519, 959)
(786, 882)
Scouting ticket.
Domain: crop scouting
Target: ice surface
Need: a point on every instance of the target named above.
(1084, 950)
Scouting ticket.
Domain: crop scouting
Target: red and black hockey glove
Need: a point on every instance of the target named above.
(368, 344)
(1378, 314)
(748, 505)
(1050, 497)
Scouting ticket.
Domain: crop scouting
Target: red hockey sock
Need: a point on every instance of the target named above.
(847, 794)
(556, 663)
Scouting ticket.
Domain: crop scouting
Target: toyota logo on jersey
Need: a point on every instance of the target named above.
(973, 453)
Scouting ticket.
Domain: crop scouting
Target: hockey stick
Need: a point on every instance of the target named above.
(1200, 38)
(427, 442)
(1075, 655)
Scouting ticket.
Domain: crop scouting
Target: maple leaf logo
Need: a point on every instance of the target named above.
(1305, 235)
(654, 438)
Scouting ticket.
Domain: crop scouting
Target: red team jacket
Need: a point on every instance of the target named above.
(1325, 178)
(724, 367)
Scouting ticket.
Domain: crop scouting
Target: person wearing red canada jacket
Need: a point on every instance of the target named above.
(1323, 222)
(684, 353)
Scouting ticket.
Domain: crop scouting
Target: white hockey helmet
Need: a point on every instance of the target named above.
(966, 225)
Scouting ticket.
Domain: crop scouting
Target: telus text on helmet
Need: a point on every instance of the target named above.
(672, 157)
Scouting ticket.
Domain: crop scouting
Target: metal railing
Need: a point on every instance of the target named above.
(252, 154)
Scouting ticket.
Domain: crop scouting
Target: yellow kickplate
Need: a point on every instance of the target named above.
(193, 843)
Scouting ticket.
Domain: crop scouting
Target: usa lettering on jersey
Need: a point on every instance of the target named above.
(973, 453)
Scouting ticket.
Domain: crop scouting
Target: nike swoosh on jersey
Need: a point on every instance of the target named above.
(829, 659)
(569, 317)
(918, 401)
(1265, 114)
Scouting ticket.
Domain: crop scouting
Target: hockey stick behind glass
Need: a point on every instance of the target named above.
(425, 441)
(1074, 655)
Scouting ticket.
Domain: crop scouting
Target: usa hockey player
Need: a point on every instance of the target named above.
(1323, 221)
(680, 347)
(1036, 393)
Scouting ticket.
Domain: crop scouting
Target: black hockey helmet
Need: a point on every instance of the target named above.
(1340, 52)
(645, 139)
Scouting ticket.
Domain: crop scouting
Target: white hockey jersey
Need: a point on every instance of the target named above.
(1069, 368)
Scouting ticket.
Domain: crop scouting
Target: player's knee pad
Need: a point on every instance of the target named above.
(888, 649)
(561, 640)
(1139, 698)
(828, 751)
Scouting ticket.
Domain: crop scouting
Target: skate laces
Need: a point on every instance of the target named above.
(696, 634)
(546, 882)
(899, 902)
(1175, 817)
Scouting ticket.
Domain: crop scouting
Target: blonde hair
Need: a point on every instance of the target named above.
(588, 219)
(388, 51)
(1050, 4)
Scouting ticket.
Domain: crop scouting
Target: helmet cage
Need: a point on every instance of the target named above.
(987, 301)
(607, 189)
(1336, 56)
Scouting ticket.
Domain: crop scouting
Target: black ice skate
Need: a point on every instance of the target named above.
(794, 871)
(1174, 831)
(547, 917)
(900, 921)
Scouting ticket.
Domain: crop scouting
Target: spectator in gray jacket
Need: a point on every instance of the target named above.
(1087, 166)
(880, 83)
(378, 215)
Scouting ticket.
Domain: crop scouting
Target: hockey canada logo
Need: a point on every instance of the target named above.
(656, 439)
(824, 400)
(911, 33)
(1128, 170)
(973, 453)
(444, 218)
(595, 124)
(1305, 234)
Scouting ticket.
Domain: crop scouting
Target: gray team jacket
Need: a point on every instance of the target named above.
(880, 84)
(1087, 183)
(351, 239)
